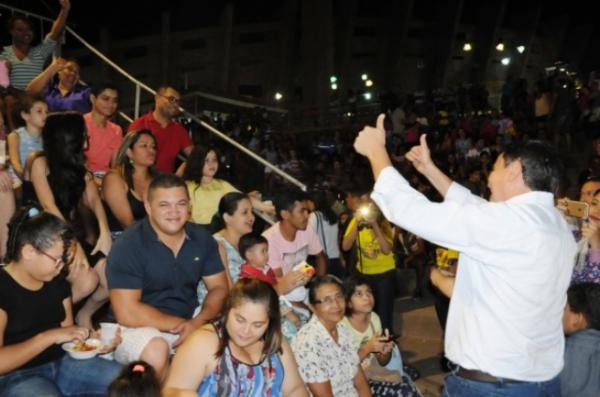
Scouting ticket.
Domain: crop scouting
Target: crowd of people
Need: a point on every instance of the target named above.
(151, 230)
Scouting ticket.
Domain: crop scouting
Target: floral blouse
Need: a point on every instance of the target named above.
(321, 359)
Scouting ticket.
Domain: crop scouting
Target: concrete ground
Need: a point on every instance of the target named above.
(421, 341)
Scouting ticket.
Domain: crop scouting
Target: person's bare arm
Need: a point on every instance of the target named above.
(44, 194)
(216, 285)
(350, 237)
(420, 157)
(130, 311)
(321, 389)
(114, 190)
(321, 259)
(444, 283)
(91, 198)
(12, 140)
(59, 23)
(293, 386)
(41, 81)
(193, 362)
(384, 244)
(361, 383)
(15, 355)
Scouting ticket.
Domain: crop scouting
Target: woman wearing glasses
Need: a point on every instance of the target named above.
(36, 316)
(327, 359)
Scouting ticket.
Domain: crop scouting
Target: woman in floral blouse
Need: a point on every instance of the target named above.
(327, 359)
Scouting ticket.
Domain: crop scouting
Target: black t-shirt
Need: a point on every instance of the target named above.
(31, 312)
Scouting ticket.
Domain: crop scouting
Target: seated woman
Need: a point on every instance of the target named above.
(376, 348)
(62, 185)
(244, 355)
(124, 187)
(64, 92)
(205, 190)
(327, 358)
(36, 316)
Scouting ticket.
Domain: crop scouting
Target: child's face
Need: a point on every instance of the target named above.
(362, 300)
(573, 322)
(36, 117)
(258, 255)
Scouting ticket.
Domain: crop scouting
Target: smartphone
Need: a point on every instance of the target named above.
(392, 338)
(577, 209)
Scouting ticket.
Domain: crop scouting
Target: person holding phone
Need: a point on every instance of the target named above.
(587, 266)
(377, 350)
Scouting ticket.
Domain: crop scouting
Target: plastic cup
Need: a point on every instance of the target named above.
(107, 332)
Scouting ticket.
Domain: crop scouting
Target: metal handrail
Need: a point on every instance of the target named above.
(139, 85)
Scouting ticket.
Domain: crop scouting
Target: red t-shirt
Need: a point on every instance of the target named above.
(249, 271)
(171, 140)
(103, 143)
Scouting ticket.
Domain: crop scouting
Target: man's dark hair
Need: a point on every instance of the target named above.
(163, 88)
(287, 200)
(249, 240)
(584, 298)
(542, 169)
(318, 281)
(103, 85)
(166, 181)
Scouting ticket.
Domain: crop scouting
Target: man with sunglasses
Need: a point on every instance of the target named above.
(171, 137)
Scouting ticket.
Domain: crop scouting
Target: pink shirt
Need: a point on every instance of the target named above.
(103, 142)
(285, 254)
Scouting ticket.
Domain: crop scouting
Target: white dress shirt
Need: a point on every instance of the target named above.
(516, 259)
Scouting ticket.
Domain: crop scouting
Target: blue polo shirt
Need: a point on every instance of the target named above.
(139, 260)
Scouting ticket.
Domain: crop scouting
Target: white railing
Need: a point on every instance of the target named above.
(139, 85)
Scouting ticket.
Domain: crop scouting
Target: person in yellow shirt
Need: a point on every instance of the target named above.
(206, 191)
(373, 237)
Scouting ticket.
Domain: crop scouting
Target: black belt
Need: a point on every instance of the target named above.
(479, 376)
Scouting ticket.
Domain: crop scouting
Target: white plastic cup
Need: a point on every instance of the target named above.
(107, 332)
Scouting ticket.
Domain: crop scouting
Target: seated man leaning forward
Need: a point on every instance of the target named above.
(504, 327)
(153, 270)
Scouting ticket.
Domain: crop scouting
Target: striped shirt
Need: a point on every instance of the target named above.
(26, 69)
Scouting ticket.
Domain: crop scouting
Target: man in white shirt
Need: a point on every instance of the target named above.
(504, 327)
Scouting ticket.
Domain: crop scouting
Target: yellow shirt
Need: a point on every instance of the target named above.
(205, 198)
(373, 260)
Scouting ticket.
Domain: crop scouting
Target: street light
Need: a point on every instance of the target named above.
(278, 96)
(467, 47)
(333, 79)
(521, 49)
(334, 86)
(500, 46)
(367, 96)
(364, 77)
(505, 61)
(369, 83)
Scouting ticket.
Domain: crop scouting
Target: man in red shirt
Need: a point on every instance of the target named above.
(171, 137)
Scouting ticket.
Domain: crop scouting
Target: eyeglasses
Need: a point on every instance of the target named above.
(328, 300)
(58, 262)
(172, 99)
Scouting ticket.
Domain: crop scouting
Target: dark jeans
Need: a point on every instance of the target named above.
(455, 386)
(62, 377)
(382, 286)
